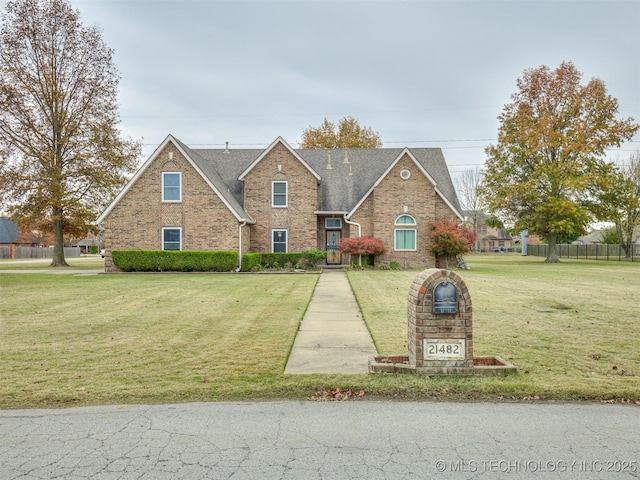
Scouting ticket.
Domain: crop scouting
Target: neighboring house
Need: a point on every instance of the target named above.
(10, 238)
(595, 237)
(280, 199)
(590, 238)
(9, 232)
(489, 239)
(86, 244)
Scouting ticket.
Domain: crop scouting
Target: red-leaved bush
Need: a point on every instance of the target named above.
(362, 246)
(451, 239)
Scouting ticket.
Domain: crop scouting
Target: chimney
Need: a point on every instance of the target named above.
(329, 167)
(226, 148)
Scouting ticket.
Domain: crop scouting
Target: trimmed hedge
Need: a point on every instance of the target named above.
(215, 261)
(174, 261)
(250, 261)
(279, 260)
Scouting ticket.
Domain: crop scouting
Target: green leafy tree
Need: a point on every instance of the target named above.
(348, 134)
(544, 171)
(610, 236)
(62, 156)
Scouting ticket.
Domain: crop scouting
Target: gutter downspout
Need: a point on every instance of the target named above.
(239, 269)
(359, 235)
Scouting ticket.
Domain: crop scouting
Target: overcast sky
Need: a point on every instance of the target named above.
(421, 73)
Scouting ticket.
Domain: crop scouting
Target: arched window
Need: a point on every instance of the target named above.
(405, 238)
(405, 220)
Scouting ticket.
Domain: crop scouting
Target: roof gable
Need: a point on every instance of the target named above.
(9, 232)
(277, 141)
(210, 176)
(386, 172)
(346, 176)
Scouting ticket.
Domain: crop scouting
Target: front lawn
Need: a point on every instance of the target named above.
(572, 329)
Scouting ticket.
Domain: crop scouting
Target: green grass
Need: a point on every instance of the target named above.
(100, 339)
(85, 262)
(572, 328)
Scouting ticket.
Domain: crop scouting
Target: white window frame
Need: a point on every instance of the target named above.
(413, 223)
(415, 239)
(170, 228)
(328, 227)
(286, 240)
(286, 193)
(179, 187)
(397, 222)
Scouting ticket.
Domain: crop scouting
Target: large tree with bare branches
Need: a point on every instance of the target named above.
(62, 157)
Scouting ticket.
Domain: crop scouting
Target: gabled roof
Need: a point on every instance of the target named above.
(354, 173)
(344, 185)
(281, 141)
(9, 231)
(205, 170)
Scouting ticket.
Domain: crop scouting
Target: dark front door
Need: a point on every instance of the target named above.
(333, 254)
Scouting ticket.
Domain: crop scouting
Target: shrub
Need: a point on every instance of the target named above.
(362, 246)
(250, 261)
(394, 266)
(313, 258)
(174, 261)
(279, 258)
(451, 239)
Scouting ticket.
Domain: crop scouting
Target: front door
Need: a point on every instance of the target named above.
(333, 254)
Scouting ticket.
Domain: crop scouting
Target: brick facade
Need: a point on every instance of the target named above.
(136, 221)
(215, 211)
(395, 196)
(298, 217)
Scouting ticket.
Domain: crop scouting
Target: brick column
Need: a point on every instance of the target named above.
(439, 343)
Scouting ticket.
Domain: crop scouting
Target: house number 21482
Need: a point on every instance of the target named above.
(440, 349)
(444, 349)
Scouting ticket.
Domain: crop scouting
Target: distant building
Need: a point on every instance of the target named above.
(490, 239)
(10, 238)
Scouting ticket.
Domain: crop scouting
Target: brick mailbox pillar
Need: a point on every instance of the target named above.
(440, 326)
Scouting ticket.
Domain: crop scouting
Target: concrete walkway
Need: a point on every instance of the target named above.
(332, 337)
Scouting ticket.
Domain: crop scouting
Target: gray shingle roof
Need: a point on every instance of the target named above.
(9, 232)
(340, 190)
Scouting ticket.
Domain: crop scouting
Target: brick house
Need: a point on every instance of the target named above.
(283, 199)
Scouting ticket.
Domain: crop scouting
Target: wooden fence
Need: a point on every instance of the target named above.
(36, 252)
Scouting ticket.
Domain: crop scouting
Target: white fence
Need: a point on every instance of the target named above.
(37, 252)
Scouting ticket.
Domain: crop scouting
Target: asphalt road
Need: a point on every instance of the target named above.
(333, 440)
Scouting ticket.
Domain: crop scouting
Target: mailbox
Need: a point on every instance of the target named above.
(445, 298)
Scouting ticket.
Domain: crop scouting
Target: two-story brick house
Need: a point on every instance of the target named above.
(283, 199)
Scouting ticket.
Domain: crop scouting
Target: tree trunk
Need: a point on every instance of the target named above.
(58, 259)
(552, 255)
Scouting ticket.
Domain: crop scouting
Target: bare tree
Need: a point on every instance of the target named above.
(619, 201)
(467, 186)
(62, 158)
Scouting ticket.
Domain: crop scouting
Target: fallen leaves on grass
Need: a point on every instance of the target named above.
(337, 395)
